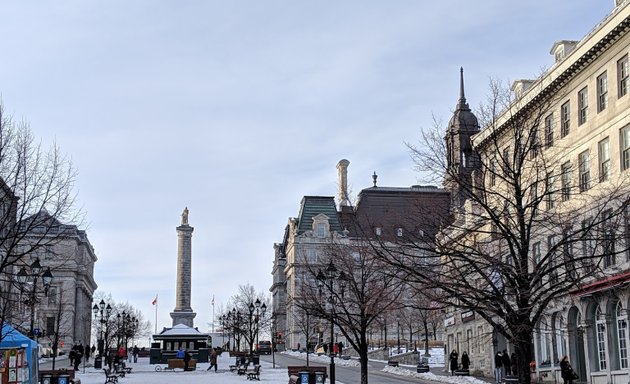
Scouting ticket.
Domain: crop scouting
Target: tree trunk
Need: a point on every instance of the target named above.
(524, 355)
(363, 359)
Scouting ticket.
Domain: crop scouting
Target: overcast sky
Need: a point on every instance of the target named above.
(237, 109)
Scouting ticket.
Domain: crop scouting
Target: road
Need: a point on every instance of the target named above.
(349, 375)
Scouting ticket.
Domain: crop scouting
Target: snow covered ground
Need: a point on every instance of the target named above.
(144, 373)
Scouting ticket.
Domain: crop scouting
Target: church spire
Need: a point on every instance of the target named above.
(462, 98)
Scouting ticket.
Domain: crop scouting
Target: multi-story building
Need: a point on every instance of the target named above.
(385, 213)
(66, 308)
(586, 128)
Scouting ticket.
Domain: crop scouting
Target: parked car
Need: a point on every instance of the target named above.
(264, 347)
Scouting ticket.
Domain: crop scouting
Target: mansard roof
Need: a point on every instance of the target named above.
(312, 206)
(416, 208)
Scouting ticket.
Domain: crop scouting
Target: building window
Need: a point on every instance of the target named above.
(311, 255)
(50, 325)
(321, 230)
(585, 172)
(622, 331)
(560, 340)
(625, 147)
(600, 324)
(565, 180)
(582, 105)
(623, 76)
(493, 174)
(378, 231)
(399, 232)
(588, 244)
(534, 140)
(552, 242)
(507, 161)
(545, 338)
(52, 295)
(626, 220)
(608, 239)
(602, 92)
(549, 131)
(481, 345)
(550, 193)
(604, 160)
(565, 119)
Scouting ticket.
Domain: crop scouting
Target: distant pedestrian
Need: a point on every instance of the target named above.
(187, 358)
(566, 371)
(77, 360)
(340, 348)
(507, 363)
(335, 349)
(135, 352)
(453, 358)
(465, 360)
(514, 364)
(213, 360)
(498, 367)
(71, 356)
(87, 354)
(93, 349)
(180, 353)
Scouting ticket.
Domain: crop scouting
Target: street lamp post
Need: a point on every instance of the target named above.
(104, 312)
(322, 279)
(23, 277)
(258, 307)
(398, 332)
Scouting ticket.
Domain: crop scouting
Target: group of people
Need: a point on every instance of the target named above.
(453, 361)
(336, 348)
(504, 365)
(76, 354)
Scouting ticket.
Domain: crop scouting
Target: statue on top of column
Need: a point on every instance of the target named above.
(185, 216)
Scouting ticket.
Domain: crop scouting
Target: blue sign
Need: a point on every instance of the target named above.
(36, 331)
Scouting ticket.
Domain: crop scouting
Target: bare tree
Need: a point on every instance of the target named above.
(33, 180)
(248, 316)
(525, 233)
(361, 291)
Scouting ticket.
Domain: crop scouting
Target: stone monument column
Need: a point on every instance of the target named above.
(183, 313)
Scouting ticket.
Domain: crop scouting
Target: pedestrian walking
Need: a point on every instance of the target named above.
(507, 364)
(453, 358)
(566, 371)
(465, 360)
(71, 356)
(498, 367)
(340, 348)
(135, 352)
(77, 360)
(187, 357)
(213, 360)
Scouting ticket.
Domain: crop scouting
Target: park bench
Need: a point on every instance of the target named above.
(255, 375)
(110, 377)
(242, 369)
(294, 373)
(392, 363)
(56, 373)
(179, 363)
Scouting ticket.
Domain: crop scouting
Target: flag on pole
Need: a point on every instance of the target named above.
(154, 300)
(213, 299)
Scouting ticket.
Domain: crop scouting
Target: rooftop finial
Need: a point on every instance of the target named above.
(374, 177)
(462, 98)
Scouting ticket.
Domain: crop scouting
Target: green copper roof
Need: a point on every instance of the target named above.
(312, 206)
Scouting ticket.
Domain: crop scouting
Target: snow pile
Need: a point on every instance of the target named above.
(313, 357)
(433, 377)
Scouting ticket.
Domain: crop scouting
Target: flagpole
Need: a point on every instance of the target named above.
(212, 313)
(156, 305)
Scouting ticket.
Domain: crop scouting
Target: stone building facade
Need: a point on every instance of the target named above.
(383, 212)
(66, 309)
(589, 126)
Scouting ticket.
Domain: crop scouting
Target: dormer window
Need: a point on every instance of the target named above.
(378, 231)
(321, 230)
(321, 226)
(399, 232)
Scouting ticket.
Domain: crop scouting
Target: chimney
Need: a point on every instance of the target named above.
(342, 172)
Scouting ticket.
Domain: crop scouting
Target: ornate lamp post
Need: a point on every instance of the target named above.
(328, 280)
(104, 312)
(258, 308)
(398, 331)
(23, 277)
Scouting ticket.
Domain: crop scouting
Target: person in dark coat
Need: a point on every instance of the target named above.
(71, 356)
(498, 367)
(507, 363)
(566, 371)
(465, 360)
(514, 364)
(187, 358)
(77, 360)
(453, 358)
(340, 348)
(213, 360)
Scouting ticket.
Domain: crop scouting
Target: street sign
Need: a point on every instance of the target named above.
(36, 331)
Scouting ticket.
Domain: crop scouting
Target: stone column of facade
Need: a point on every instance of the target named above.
(183, 313)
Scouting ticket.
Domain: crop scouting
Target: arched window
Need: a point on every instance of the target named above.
(545, 342)
(622, 331)
(561, 342)
(600, 328)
